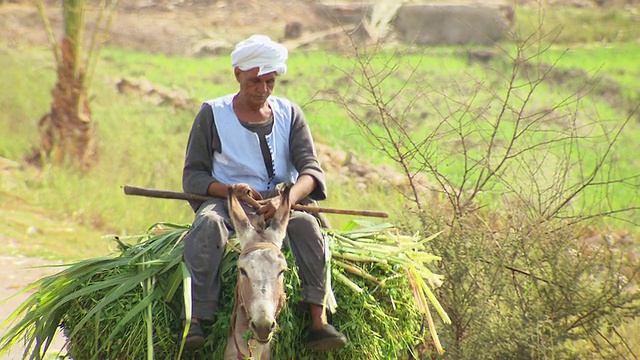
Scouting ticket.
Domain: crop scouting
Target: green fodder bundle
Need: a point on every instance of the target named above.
(129, 306)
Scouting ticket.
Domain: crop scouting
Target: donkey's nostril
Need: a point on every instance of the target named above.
(253, 326)
(273, 325)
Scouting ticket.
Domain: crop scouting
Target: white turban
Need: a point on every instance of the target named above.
(259, 51)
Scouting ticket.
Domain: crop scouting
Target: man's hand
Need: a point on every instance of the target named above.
(269, 206)
(243, 189)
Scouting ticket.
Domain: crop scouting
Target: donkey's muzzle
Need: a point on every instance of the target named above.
(263, 329)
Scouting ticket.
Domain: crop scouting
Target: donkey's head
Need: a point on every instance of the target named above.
(261, 267)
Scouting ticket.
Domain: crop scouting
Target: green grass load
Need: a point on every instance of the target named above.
(129, 306)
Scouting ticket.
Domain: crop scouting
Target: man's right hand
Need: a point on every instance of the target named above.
(243, 189)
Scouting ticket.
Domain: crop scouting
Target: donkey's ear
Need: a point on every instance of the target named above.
(239, 218)
(278, 228)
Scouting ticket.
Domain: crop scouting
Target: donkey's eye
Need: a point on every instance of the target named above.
(243, 272)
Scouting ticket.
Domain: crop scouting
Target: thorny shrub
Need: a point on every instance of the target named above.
(521, 173)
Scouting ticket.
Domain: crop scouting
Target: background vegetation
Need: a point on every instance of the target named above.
(514, 286)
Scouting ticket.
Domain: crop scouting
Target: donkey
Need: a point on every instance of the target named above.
(259, 294)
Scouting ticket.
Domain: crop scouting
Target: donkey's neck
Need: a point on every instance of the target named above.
(238, 348)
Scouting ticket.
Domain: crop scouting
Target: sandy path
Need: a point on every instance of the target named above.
(15, 274)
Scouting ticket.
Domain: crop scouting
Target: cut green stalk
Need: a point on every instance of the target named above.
(358, 258)
(356, 271)
(345, 280)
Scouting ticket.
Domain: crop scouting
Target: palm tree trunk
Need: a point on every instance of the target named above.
(67, 132)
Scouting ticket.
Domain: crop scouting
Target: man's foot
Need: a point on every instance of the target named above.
(195, 337)
(326, 339)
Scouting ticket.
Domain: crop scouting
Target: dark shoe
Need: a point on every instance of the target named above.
(195, 337)
(326, 339)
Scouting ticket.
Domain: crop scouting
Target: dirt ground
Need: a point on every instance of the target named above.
(172, 27)
(17, 272)
(191, 27)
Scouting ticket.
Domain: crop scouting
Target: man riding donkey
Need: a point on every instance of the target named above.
(251, 141)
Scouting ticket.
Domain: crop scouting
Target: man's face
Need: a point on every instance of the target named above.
(253, 88)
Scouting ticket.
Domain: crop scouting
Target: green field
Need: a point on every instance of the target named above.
(143, 144)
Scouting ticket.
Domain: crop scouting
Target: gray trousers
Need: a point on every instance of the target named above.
(205, 243)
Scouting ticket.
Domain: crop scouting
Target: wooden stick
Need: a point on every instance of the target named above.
(166, 194)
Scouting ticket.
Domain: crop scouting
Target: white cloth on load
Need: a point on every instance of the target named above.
(259, 51)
